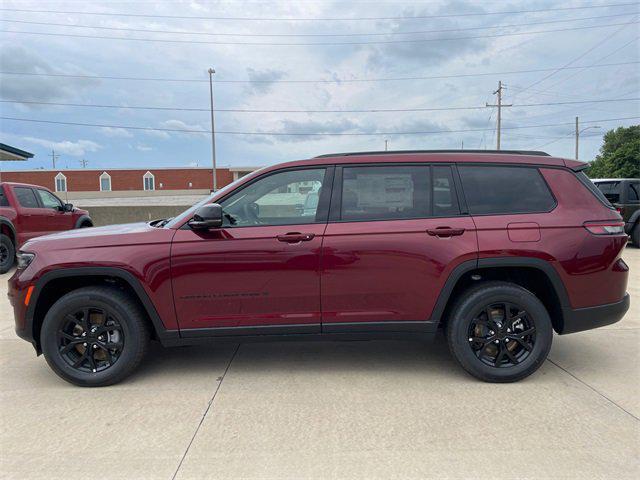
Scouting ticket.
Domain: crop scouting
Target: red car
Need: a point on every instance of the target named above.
(28, 211)
(498, 249)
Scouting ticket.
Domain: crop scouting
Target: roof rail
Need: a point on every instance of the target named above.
(393, 152)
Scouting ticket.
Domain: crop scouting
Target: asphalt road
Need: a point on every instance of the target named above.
(366, 410)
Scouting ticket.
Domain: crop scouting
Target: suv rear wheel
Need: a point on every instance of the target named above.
(499, 332)
(94, 336)
(7, 253)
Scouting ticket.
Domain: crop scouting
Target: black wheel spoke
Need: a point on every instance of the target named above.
(69, 346)
(80, 360)
(527, 346)
(499, 356)
(512, 358)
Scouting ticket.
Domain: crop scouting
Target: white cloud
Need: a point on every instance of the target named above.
(116, 132)
(180, 125)
(143, 148)
(67, 147)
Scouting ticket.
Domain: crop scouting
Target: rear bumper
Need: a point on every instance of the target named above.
(593, 317)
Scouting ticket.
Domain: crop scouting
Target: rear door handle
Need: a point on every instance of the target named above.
(295, 237)
(445, 232)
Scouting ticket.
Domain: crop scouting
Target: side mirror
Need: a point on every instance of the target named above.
(68, 207)
(207, 217)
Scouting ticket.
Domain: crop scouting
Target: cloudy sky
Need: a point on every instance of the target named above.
(292, 75)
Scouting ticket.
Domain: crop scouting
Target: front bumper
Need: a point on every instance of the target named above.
(593, 317)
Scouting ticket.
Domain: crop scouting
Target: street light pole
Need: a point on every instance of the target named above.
(213, 132)
(578, 132)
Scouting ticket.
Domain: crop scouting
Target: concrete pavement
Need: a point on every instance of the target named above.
(329, 410)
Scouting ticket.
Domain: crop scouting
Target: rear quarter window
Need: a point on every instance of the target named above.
(495, 190)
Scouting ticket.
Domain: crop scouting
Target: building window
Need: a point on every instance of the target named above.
(61, 183)
(149, 181)
(105, 182)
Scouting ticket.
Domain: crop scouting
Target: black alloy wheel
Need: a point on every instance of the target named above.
(91, 339)
(502, 334)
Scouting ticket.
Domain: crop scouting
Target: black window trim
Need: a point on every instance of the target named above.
(335, 213)
(511, 165)
(323, 202)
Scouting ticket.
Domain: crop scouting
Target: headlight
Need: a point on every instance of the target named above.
(24, 259)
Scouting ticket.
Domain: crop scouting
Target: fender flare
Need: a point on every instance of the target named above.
(8, 223)
(82, 219)
(158, 326)
(497, 262)
(635, 217)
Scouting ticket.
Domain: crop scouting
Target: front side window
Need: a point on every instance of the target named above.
(26, 197)
(61, 183)
(385, 193)
(495, 190)
(284, 198)
(49, 200)
(4, 201)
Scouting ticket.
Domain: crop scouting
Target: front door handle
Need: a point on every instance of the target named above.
(445, 232)
(295, 237)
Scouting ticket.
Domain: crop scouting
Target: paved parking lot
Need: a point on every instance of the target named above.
(364, 410)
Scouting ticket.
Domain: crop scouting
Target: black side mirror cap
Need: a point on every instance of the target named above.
(207, 217)
(68, 207)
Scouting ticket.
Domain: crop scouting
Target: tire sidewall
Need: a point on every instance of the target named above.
(6, 241)
(54, 320)
(459, 337)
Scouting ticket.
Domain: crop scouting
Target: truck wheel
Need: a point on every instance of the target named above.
(635, 235)
(94, 336)
(499, 332)
(7, 254)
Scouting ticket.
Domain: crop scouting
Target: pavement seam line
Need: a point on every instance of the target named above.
(592, 388)
(184, 455)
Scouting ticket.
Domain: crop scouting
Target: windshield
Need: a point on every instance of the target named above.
(187, 214)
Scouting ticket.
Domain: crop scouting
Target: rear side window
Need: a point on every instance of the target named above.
(386, 192)
(634, 193)
(4, 201)
(26, 197)
(494, 190)
(611, 190)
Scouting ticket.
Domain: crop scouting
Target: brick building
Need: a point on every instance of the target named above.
(115, 182)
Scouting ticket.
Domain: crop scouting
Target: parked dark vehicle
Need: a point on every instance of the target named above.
(28, 211)
(499, 249)
(624, 194)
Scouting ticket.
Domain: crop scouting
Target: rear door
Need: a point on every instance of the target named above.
(31, 221)
(395, 234)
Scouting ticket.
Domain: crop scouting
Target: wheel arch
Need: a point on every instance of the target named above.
(534, 274)
(52, 285)
(83, 219)
(8, 229)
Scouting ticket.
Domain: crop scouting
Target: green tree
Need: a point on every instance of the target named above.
(619, 155)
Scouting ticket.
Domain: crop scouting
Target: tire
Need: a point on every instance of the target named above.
(472, 336)
(635, 235)
(7, 254)
(119, 343)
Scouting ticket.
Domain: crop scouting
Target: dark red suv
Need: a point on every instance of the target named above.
(498, 249)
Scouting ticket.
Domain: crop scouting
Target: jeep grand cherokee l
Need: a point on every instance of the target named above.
(498, 249)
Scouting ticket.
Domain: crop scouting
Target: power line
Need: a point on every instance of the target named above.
(246, 110)
(337, 81)
(298, 44)
(582, 55)
(303, 134)
(365, 34)
(303, 19)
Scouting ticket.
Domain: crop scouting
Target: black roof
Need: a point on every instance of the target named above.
(392, 152)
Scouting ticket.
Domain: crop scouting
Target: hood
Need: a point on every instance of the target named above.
(111, 235)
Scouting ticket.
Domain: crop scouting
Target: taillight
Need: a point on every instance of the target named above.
(605, 228)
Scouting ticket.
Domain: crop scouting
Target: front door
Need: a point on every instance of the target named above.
(57, 220)
(395, 233)
(259, 273)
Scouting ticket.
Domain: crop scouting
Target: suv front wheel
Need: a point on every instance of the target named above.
(499, 332)
(94, 336)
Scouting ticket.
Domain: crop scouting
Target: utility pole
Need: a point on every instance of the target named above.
(499, 105)
(386, 145)
(54, 156)
(83, 162)
(213, 132)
